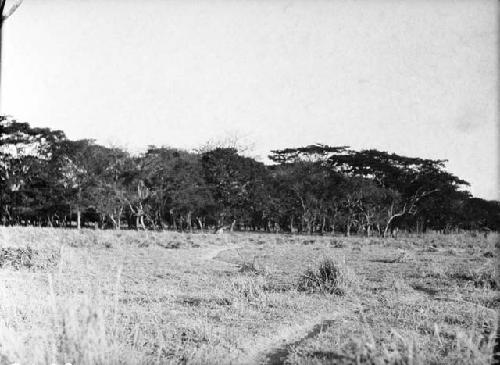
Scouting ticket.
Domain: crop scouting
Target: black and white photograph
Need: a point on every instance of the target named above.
(249, 182)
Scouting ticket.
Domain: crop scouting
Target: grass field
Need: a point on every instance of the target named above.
(126, 297)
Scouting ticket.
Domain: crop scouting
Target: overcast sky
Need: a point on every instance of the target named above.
(418, 78)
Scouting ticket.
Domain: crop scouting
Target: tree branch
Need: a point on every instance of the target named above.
(2, 7)
(11, 10)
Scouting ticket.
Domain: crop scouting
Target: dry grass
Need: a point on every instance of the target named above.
(104, 297)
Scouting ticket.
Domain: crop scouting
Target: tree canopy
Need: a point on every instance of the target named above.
(47, 179)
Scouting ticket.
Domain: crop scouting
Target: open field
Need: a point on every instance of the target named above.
(127, 297)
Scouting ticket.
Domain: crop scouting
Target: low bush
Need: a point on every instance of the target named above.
(484, 276)
(337, 243)
(172, 244)
(250, 267)
(330, 277)
(17, 257)
(248, 288)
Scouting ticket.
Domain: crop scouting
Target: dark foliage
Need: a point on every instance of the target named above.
(49, 180)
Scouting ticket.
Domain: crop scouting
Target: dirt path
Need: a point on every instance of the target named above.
(278, 355)
(212, 252)
(275, 349)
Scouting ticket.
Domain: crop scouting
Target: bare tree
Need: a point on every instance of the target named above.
(234, 140)
(408, 208)
(4, 15)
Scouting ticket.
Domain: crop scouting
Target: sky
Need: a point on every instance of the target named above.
(418, 78)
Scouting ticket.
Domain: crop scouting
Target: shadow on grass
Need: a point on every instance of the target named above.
(278, 356)
(385, 261)
(425, 289)
(328, 355)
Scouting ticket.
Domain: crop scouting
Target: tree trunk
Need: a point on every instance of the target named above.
(181, 222)
(174, 223)
(200, 223)
(78, 219)
(388, 225)
(386, 230)
(292, 228)
(307, 222)
(220, 221)
(1, 41)
(113, 221)
(188, 221)
(119, 218)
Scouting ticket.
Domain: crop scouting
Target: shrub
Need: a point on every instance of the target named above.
(331, 277)
(250, 267)
(17, 257)
(430, 249)
(249, 288)
(280, 241)
(337, 243)
(172, 244)
(404, 257)
(485, 276)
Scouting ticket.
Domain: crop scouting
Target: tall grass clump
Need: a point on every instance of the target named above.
(330, 277)
(483, 276)
(16, 257)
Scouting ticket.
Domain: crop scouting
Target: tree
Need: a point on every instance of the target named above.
(4, 15)
(301, 186)
(70, 165)
(46, 178)
(235, 183)
(366, 203)
(415, 180)
(477, 213)
(312, 153)
(178, 189)
(25, 153)
(90, 176)
(229, 140)
(309, 186)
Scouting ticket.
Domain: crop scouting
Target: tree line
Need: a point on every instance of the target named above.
(47, 179)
